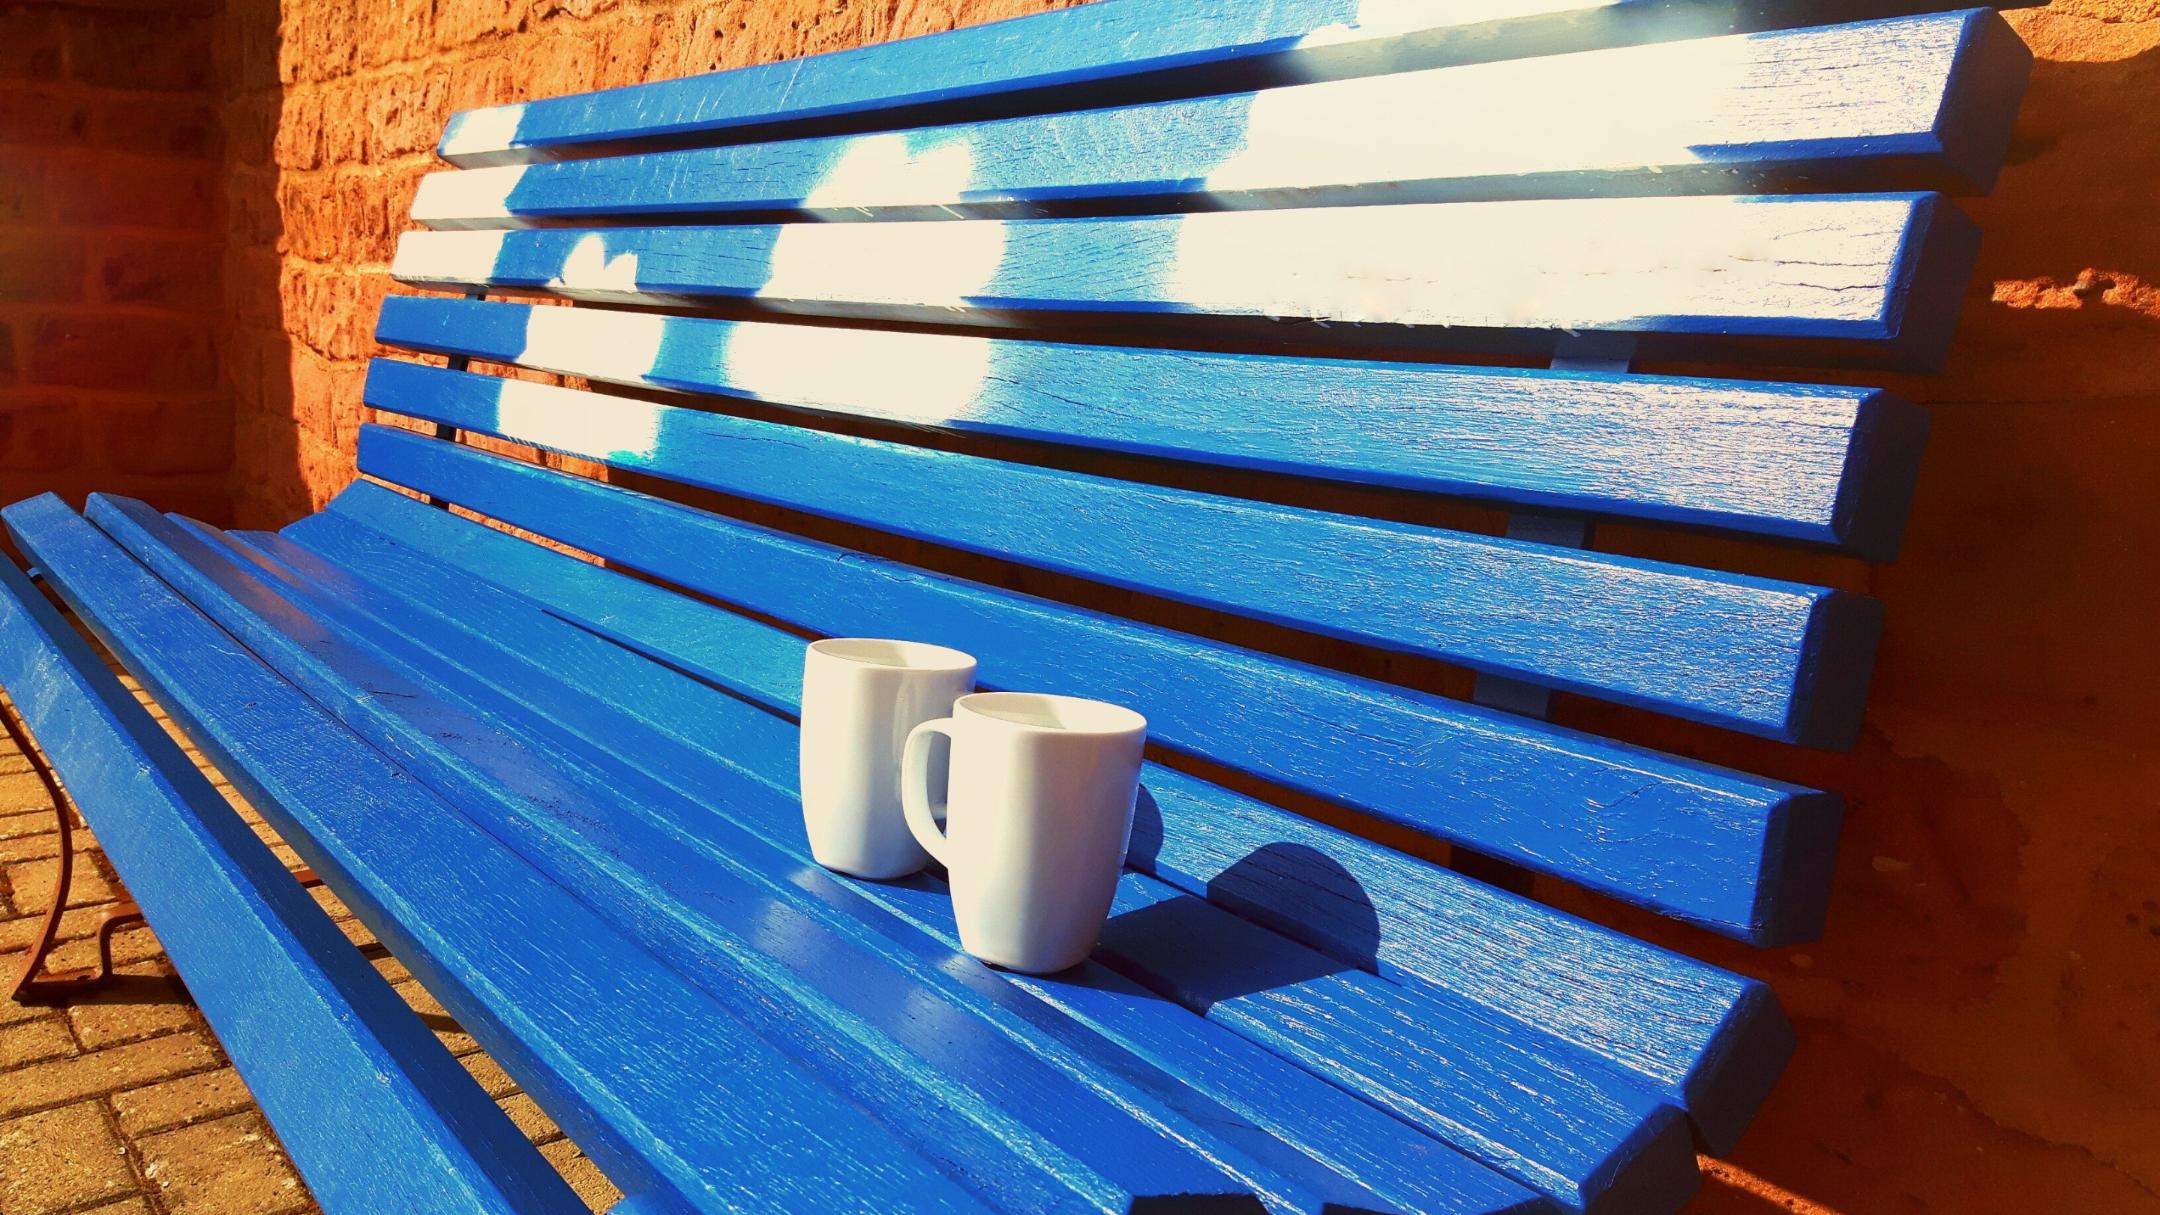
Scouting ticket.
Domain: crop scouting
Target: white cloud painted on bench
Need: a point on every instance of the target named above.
(600, 427)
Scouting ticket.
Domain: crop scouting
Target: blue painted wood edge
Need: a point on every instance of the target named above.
(1336, 419)
(602, 702)
(1161, 156)
(1712, 1041)
(1592, 778)
(1757, 655)
(1052, 270)
(704, 1117)
(1987, 85)
(375, 1112)
(1130, 50)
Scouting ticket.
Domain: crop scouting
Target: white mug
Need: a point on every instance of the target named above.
(1038, 813)
(861, 696)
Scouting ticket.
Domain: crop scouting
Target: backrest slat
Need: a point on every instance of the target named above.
(1901, 103)
(1112, 52)
(1738, 854)
(1871, 277)
(1826, 464)
(1775, 658)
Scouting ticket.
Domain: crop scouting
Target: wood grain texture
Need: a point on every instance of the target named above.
(866, 1017)
(670, 1094)
(594, 697)
(1917, 102)
(1710, 845)
(1104, 53)
(1709, 1040)
(376, 1114)
(612, 833)
(1826, 464)
(1767, 657)
(1547, 1113)
(1874, 277)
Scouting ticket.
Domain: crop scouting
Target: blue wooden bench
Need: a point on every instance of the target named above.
(1118, 259)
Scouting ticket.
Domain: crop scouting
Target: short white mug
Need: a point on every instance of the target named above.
(861, 696)
(1038, 813)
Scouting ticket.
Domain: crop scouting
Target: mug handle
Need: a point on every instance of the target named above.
(922, 817)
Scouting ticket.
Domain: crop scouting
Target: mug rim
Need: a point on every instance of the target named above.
(1116, 718)
(917, 655)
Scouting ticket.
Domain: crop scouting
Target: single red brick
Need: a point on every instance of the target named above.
(156, 126)
(34, 46)
(36, 116)
(39, 436)
(180, 273)
(153, 354)
(166, 436)
(42, 267)
(134, 49)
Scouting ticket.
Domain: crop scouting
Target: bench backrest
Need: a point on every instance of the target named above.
(1163, 248)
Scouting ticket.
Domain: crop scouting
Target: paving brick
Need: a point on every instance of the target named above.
(30, 847)
(585, 1178)
(227, 1166)
(438, 1018)
(526, 1115)
(180, 1102)
(33, 1039)
(59, 1081)
(138, 1003)
(30, 883)
(60, 1160)
(75, 924)
(493, 1079)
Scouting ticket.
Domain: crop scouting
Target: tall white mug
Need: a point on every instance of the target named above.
(1039, 809)
(861, 696)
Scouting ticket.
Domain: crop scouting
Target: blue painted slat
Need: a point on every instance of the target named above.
(1868, 277)
(1550, 1113)
(1828, 464)
(701, 740)
(1901, 103)
(1095, 54)
(944, 1082)
(1703, 843)
(1781, 659)
(1710, 1040)
(1593, 1141)
(673, 1097)
(376, 1114)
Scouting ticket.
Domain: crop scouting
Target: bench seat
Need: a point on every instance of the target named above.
(1114, 347)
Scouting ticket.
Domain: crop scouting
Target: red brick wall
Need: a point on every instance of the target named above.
(110, 270)
(1981, 1024)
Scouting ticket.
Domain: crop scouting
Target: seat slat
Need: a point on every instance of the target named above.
(1775, 658)
(702, 741)
(1826, 464)
(1562, 1106)
(1871, 277)
(1121, 51)
(340, 1051)
(672, 1096)
(1918, 102)
(1026, 1136)
(1586, 1138)
(1703, 843)
(1711, 1040)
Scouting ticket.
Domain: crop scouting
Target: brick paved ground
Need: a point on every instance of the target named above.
(121, 1103)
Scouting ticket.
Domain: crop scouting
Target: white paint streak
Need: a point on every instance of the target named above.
(912, 377)
(577, 421)
(453, 199)
(896, 169)
(447, 257)
(932, 263)
(480, 131)
(601, 343)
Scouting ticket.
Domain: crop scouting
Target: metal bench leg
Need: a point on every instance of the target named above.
(29, 987)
